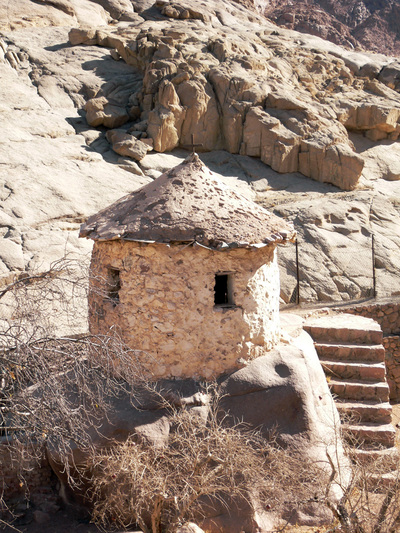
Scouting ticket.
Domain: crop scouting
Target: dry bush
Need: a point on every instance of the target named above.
(44, 304)
(371, 500)
(55, 389)
(162, 487)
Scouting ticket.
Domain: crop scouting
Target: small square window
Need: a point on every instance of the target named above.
(223, 290)
(113, 285)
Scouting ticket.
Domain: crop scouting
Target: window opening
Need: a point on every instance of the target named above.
(223, 294)
(113, 285)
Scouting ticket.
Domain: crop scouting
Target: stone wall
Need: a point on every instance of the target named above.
(166, 305)
(32, 480)
(392, 361)
(387, 314)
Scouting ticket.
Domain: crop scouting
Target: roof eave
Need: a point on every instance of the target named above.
(272, 240)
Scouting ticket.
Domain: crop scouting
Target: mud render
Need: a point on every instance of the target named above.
(185, 269)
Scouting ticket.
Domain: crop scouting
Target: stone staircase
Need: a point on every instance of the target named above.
(353, 358)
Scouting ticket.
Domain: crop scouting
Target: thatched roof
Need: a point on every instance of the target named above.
(188, 204)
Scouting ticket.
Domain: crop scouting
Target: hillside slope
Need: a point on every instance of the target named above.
(364, 24)
(307, 128)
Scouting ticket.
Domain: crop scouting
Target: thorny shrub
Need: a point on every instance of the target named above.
(55, 389)
(204, 460)
(53, 386)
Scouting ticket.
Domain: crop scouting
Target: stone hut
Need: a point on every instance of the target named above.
(185, 268)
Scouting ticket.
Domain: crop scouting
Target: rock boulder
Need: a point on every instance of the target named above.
(283, 394)
(127, 145)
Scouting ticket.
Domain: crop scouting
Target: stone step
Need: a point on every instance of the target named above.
(370, 372)
(346, 328)
(370, 435)
(381, 459)
(345, 335)
(345, 352)
(358, 390)
(382, 482)
(364, 411)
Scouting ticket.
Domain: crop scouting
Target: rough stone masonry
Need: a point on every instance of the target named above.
(185, 270)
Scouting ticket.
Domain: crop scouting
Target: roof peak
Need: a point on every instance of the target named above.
(188, 204)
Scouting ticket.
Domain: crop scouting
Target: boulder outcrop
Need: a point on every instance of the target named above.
(217, 94)
(254, 96)
(127, 145)
(248, 93)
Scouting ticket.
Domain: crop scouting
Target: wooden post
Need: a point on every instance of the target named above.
(373, 264)
(297, 273)
(193, 145)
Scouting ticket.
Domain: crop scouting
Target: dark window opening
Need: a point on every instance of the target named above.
(223, 296)
(113, 286)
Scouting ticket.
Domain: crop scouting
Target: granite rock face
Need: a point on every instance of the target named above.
(246, 97)
(255, 95)
(263, 104)
(364, 24)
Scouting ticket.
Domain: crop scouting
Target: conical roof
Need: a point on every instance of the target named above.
(188, 204)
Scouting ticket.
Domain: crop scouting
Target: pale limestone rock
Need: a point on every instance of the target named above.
(266, 137)
(377, 120)
(252, 131)
(384, 161)
(279, 147)
(14, 15)
(332, 232)
(130, 166)
(165, 121)
(201, 118)
(160, 162)
(177, 11)
(285, 100)
(82, 36)
(11, 255)
(235, 99)
(52, 179)
(336, 164)
(127, 145)
(100, 112)
(118, 9)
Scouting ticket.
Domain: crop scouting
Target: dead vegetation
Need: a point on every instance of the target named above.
(53, 388)
(204, 465)
(371, 501)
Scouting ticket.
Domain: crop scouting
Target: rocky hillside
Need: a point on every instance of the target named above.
(99, 97)
(363, 24)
